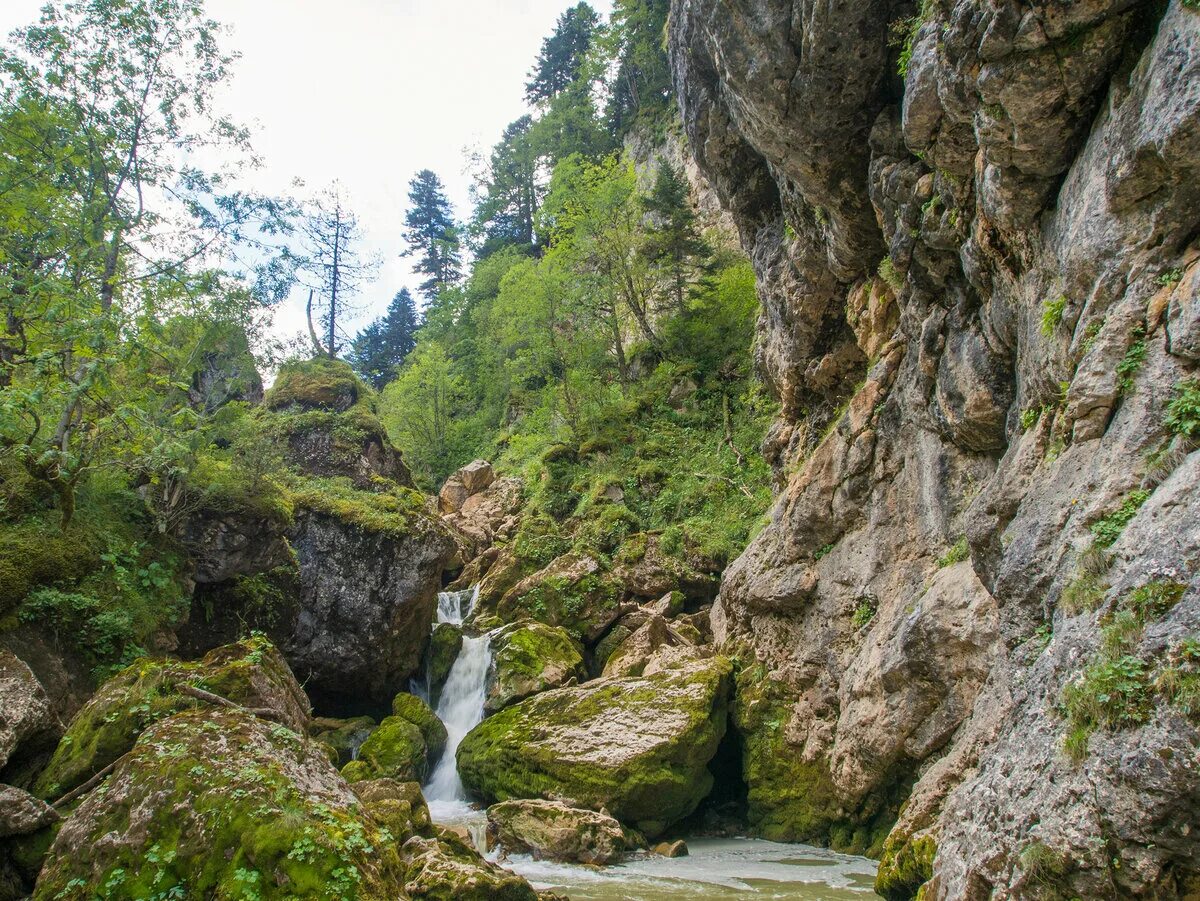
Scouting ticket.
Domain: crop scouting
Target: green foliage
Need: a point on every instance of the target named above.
(380, 348)
(1183, 410)
(1052, 314)
(904, 35)
(1179, 679)
(396, 511)
(887, 272)
(1110, 693)
(1132, 362)
(1108, 528)
(864, 612)
(1171, 276)
(431, 234)
(959, 552)
(1083, 593)
(906, 865)
(1043, 866)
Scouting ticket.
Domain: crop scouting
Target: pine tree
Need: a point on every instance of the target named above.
(643, 79)
(381, 347)
(563, 54)
(430, 232)
(673, 243)
(511, 193)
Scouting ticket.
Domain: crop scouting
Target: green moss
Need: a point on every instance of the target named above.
(444, 645)
(396, 512)
(1131, 363)
(36, 551)
(576, 605)
(864, 612)
(906, 865)
(221, 815)
(1183, 410)
(319, 383)
(417, 712)
(790, 799)
(223, 487)
(395, 750)
(522, 656)
(514, 754)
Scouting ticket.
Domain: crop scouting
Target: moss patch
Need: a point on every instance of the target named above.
(905, 865)
(319, 383)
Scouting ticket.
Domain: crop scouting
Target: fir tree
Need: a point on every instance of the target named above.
(563, 54)
(511, 193)
(381, 347)
(643, 78)
(673, 243)
(432, 235)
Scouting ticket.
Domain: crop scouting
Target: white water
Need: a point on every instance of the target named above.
(460, 706)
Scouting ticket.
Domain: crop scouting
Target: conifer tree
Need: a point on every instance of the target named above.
(511, 193)
(673, 243)
(431, 234)
(380, 348)
(561, 60)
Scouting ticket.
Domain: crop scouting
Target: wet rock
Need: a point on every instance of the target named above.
(394, 750)
(29, 727)
(417, 712)
(551, 830)
(444, 645)
(343, 737)
(446, 869)
(639, 748)
(677, 848)
(528, 658)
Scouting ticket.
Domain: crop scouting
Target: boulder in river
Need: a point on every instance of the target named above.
(528, 658)
(638, 747)
(552, 830)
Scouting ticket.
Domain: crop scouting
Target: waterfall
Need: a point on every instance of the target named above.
(460, 706)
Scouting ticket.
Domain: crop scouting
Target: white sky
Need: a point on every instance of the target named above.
(369, 92)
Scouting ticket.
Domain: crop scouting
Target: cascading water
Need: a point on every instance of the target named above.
(460, 708)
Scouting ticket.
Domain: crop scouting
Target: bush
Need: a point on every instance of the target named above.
(1183, 410)
(958, 553)
(1052, 314)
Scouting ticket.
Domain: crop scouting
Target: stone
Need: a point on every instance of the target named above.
(444, 645)
(251, 673)
(463, 483)
(21, 813)
(29, 726)
(677, 848)
(316, 384)
(398, 806)
(417, 712)
(445, 868)
(652, 647)
(528, 658)
(394, 750)
(209, 798)
(551, 830)
(648, 571)
(639, 748)
(573, 591)
(343, 737)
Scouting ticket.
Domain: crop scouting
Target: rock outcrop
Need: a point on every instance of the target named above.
(551, 830)
(29, 727)
(528, 658)
(978, 287)
(638, 748)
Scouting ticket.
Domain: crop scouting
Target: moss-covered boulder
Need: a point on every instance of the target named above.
(221, 804)
(906, 865)
(251, 673)
(572, 591)
(433, 731)
(638, 747)
(528, 658)
(317, 384)
(398, 806)
(551, 830)
(444, 868)
(350, 443)
(342, 737)
(444, 645)
(395, 750)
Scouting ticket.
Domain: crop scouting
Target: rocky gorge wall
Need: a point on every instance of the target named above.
(976, 603)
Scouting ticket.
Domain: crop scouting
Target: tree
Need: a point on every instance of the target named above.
(563, 54)
(511, 194)
(673, 243)
(430, 232)
(643, 78)
(383, 345)
(333, 265)
(110, 228)
(420, 410)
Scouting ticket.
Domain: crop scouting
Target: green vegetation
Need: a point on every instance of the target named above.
(1109, 527)
(905, 865)
(1171, 276)
(903, 34)
(864, 612)
(1052, 314)
(1183, 410)
(1131, 363)
(959, 552)
(1117, 689)
(1045, 868)
(887, 272)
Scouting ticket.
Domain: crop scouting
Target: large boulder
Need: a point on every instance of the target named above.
(462, 484)
(551, 830)
(653, 646)
(638, 747)
(394, 750)
(353, 444)
(21, 813)
(221, 804)
(444, 645)
(444, 868)
(572, 591)
(486, 516)
(317, 384)
(647, 570)
(417, 712)
(528, 658)
(251, 673)
(28, 725)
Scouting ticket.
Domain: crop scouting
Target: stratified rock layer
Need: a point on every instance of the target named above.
(978, 284)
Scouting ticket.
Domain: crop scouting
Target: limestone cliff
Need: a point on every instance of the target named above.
(978, 277)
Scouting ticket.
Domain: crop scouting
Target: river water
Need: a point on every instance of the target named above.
(736, 869)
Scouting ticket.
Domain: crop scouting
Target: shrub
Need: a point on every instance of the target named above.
(887, 272)
(1110, 693)
(1052, 314)
(957, 553)
(864, 612)
(1108, 528)
(1183, 410)
(1132, 362)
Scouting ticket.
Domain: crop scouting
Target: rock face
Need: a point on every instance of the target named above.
(21, 813)
(528, 658)
(467, 481)
(573, 591)
(550, 830)
(639, 748)
(978, 287)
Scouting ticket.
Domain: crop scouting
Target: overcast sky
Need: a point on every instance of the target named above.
(369, 92)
